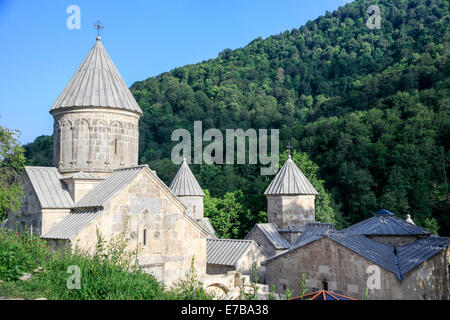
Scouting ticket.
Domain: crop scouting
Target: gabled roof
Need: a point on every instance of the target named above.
(50, 191)
(385, 224)
(109, 187)
(270, 231)
(313, 231)
(184, 182)
(227, 252)
(290, 180)
(72, 224)
(97, 83)
(413, 254)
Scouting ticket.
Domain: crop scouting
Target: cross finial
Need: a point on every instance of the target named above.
(289, 147)
(99, 27)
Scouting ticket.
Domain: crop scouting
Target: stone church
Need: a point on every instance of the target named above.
(97, 185)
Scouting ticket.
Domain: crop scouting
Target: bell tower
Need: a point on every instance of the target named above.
(290, 198)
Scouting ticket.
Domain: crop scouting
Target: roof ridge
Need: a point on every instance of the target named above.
(290, 180)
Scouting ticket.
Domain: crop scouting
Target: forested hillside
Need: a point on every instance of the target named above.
(370, 107)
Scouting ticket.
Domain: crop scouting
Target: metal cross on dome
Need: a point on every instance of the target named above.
(289, 147)
(99, 27)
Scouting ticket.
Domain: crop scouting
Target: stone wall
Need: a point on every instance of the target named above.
(324, 262)
(217, 269)
(429, 281)
(266, 246)
(194, 205)
(30, 216)
(395, 240)
(30, 212)
(253, 255)
(78, 188)
(50, 217)
(244, 266)
(147, 210)
(95, 140)
(290, 211)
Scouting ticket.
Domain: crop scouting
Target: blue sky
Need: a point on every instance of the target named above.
(39, 54)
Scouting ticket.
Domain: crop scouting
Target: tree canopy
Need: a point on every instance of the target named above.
(12, 161)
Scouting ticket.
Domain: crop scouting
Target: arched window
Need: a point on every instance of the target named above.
(144, 237)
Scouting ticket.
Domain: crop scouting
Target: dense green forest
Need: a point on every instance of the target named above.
(369, 107)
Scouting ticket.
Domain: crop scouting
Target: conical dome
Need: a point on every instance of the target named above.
(184, 183)
(290, 180)
(97, 83)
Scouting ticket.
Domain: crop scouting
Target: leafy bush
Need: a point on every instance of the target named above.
(111, 272)
(107, 274)
(20, 253)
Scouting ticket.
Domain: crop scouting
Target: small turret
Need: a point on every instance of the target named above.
(290, 198)
(186, 187)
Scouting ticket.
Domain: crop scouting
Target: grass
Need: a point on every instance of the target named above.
(111, 273)
(29, 290)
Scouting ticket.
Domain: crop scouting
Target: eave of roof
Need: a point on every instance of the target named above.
(50, 191)
(227, 252)
(72, 224)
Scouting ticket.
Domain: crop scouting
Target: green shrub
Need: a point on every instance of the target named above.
(107, 274)
(99, 279)
(20, 253)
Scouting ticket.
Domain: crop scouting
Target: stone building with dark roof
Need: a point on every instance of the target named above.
(390, 257)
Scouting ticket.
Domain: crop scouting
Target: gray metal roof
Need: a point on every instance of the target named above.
(226, 251)
(184, 182)
(81, 176)
(413, 254)
(290, 180)
(106, 189)
(51, 192)
(385, 224)
(312, 231)
(271, 233)
(72, 224)
(398, 260)
(97, 83)
(206, 224)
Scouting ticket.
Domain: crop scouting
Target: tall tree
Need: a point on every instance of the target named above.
(12, 161)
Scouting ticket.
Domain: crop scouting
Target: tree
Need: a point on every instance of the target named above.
(12, 161)
(224, 214)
